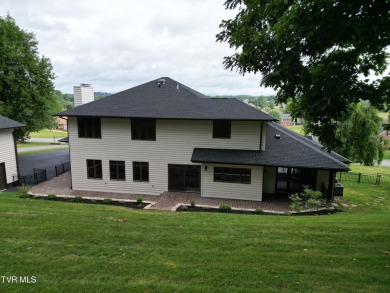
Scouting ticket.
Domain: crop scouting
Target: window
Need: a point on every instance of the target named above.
(94, 169)
(221, 128)
(141, 171)
(293, 179)
(143, 129)
(117, 170)
(89, 127)
(232, 175)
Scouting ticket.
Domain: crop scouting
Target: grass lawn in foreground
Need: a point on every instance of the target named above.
(72, 247)
(47, 133)
(386, 155)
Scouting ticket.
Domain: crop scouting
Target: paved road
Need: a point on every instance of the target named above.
(48, 140)
(42, 161)
(385, 163)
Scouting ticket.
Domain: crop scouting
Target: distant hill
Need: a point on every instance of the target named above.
(99, 95)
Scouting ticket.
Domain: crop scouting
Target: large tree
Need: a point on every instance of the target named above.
(325, 55)
(26, 79)
(359, 134)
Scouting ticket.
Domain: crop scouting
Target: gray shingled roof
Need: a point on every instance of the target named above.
(171, 100)
(291, 150)
(9, 123)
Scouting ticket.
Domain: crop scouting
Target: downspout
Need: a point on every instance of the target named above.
(16, 157)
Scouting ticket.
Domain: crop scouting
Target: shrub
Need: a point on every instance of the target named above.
(23, 191)
(259, 211)
(107, 201)
(192, 203)
(78, 199)
(183, 208)
(308, 199)
(52, 197)
(140, 200)
(225, 208)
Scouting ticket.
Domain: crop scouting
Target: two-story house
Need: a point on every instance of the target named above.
(164, 136)
(9, 170)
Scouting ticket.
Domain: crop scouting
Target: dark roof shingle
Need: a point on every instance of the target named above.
(290, 150)
(9, 123)
(171, 100)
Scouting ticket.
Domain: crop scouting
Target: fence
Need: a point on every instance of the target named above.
(40, 175)
(62, 168)
(364, 178)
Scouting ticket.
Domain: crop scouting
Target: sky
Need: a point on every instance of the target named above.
(115, 45)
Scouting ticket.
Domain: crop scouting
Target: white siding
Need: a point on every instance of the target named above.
(7, 153)
(82, 95)
(175, 142)
(252, 191)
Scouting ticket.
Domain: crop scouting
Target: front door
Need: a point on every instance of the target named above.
(183, 178)
(3, 177)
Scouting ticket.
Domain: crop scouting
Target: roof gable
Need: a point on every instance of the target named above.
(171, 100)
(9, 123)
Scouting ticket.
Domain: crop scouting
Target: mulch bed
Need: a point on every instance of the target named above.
(217, 210)
(132, 205)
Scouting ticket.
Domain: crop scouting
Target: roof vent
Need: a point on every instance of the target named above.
(277, 136)
(160, 82)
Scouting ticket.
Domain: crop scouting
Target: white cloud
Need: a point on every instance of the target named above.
(116, 44)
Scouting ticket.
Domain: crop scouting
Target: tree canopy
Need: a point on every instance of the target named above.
(359, 134)
(26, 80)
(325, 55)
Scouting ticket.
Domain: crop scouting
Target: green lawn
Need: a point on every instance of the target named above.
(296, 128)
(386, 155)
(369, 170)
(81, 248)
(31, 144)
(46, 133)
(65, 147)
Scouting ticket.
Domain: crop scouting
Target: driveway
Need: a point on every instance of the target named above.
(385, 163)
(42, 161)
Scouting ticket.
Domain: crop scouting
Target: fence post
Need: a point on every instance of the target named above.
(340, 176)
(360, 174)
(379, 178)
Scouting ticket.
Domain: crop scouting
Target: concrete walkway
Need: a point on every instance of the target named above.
(165, 201)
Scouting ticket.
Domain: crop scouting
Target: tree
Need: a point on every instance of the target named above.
(276, 114)
(321, 54)
(26, 80)
(359, 134)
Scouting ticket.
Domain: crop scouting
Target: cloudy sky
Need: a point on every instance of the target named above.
(115, 45)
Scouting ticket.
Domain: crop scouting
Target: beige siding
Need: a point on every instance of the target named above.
(7, 153)
(251, 191)
(175, 141)
(269, 179)
(322, 177)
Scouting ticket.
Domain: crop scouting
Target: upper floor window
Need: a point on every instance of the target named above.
(94, 169)
(89, 127)
(117, 170)
(232, 175)
(222, 128)
(143, 128)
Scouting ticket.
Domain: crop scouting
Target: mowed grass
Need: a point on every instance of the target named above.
(296, 128)
(386, 155)
(47, 133)
(31, 144)
(23, 153)
(81, 248)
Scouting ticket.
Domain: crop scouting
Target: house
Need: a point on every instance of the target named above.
(164, 136)
(386, 131)
(9, 169)
(62, 123)
(288, 121)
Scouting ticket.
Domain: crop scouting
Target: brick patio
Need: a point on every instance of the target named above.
(166, 201)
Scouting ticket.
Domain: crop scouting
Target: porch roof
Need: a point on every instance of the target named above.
(284, 148)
